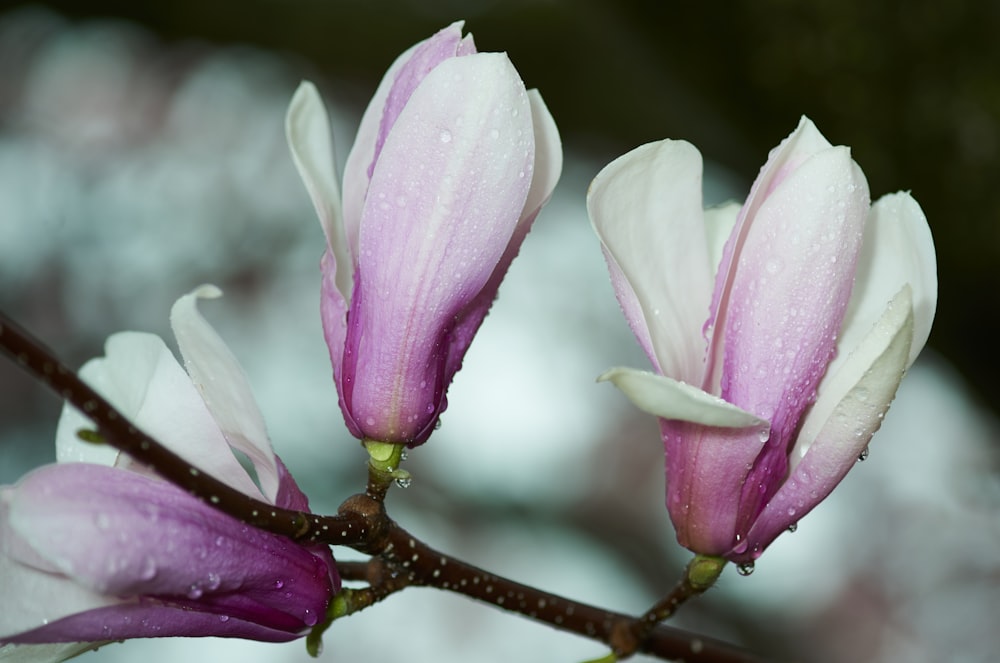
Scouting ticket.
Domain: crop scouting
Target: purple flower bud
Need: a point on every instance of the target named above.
(452, 162)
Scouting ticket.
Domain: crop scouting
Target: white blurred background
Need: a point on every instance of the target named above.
(132, 170)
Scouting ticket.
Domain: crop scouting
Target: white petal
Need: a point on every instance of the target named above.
(670, 399)
(307, 129)
(719, 223)
(548, 154)
(882, 360)
(223, 386)
(140, 377)
(873, 370)
(897, 250)
(646, 208)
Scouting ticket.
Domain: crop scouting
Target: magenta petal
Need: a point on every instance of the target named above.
(144, 540)
(706, 470)
(793, 276)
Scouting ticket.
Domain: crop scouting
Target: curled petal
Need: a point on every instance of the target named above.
(223, 386)
(140, 377)
(307, 129)
(874, 371)
(646, 208)
(669, 399)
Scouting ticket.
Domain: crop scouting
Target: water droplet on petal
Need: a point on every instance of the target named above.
(223, 618)
(404, 482)
(744, 568)
(445, 138)
(863, 455)
(309, 617)
(278, 584)
(793, 527)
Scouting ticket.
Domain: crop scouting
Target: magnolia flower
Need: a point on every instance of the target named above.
(99, 548)
(452, 162)
(819, 305)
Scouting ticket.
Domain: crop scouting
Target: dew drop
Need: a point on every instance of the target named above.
(223, 618)
(370, 421)
(793, 527)
(194, 592)
(744, 568)
(309, 617)
(214, 580)
(863, 455)
(445, 138)
(404, 482)
(278, 584)
(494, 134)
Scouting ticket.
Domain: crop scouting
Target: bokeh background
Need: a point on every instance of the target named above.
(142, 153)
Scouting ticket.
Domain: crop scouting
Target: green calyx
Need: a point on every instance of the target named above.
(703, 571)
(339, 607)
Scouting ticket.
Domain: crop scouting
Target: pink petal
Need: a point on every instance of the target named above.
(357, 170)
(120, 534)
(804, 142)
(791, 279)
(435, 227)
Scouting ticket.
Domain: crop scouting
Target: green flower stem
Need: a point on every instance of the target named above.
(383, 467)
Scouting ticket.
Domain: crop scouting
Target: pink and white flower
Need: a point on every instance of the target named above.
(453, 160)
(778, 331)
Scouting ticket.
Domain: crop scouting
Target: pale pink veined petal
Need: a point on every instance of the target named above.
(223, 386)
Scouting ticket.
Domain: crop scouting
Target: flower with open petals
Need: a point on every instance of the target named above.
(98, 547)
(820, 303)
(452, 162)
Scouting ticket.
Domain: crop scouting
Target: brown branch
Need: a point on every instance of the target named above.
(402, 560)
